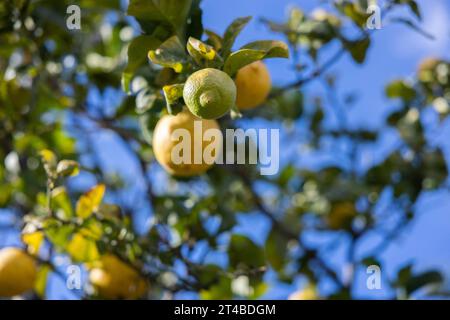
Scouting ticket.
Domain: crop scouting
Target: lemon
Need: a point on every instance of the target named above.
(253, 85)
(163, 144)
(209, 93)
(17, 272)
(341, 215)
(114, 279)
(308, 293)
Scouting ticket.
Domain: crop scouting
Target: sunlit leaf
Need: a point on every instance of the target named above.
(49, 159)
(60, 202)
(203, 54)
(221, 290)
(271, 48)
(33, 240)
(241, 58)
(92, 229)
(40, 284)
(253, 52)
(82, 249)
(58, 234)
(67, 168)
(400, 89)
(170, 54)
(137, 56)
(353, 11)
(90, 201)
(230, 35)
(174, 97)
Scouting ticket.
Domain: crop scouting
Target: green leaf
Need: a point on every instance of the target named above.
(82, 249)
(214, 40)
(204, 55)
(353, 11)
(57, 233)
(276, 250)
(271, 48)
(92, 229)
(231, 34)
(287, 105)
(370, 261)
(137, 56)
(61, 203)
(244, 253)
(207, 274)
(221, 290)
(145, 100)
(174, 97)
(357, 48)
(412, 282)
(168, 14)
(296, 19)
(33, 240)
(64, 144)
(67, 168)
(435, 169)
(49, 160)
(241, 58)
(255, 51)
(400, 89)
(170, 54)
(403, 275)
(40, 284)
(415, 8)
(194, 21)
(423, 279)
(317, 30)
(259, 289)
(90, 201)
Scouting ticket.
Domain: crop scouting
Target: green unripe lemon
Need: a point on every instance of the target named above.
(209, 93)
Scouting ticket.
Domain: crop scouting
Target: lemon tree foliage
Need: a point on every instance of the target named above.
(50, 129)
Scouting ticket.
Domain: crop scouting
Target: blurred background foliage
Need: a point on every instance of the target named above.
(67, 203)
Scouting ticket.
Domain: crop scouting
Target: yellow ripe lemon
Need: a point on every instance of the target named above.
(17, 272)
(114, 279)
(164, 143)
(341, 215)
(209, 93)
(253, 85)
(308, 293)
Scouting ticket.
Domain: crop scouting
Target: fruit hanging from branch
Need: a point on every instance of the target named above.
(209, 93)
(253, 85)
(17, 272)
(165, 147)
